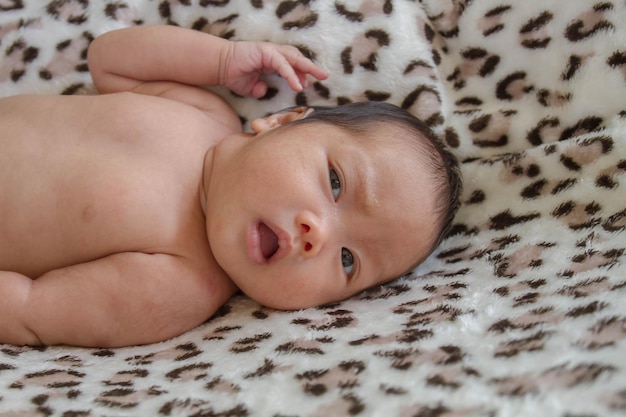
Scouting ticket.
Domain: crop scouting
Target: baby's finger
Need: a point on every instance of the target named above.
(284, 68)
(259, 89)
(303, 65)
(303, 81)
(308, 67)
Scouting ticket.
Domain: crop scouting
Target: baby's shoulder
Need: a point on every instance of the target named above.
(206, 101)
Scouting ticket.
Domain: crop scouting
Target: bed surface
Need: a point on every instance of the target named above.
(521, 310)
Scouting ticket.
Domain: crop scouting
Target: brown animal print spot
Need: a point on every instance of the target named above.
(11, 5)
(533, 34)
(492, 21)
(590, 23)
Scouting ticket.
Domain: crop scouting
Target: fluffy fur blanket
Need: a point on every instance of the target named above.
(520, 312)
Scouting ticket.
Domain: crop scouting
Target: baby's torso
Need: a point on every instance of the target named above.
(85, 177)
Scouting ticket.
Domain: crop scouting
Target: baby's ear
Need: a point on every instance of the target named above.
(279, 119)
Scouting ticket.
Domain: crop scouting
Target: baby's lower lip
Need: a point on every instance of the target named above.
(253, 243)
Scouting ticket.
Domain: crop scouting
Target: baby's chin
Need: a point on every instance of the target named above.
(285, 304)
(282, 305)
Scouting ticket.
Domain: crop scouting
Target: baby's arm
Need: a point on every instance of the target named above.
(123, 299)
(14, 327)
(124, 59)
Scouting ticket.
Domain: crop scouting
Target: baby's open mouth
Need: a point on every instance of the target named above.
(268, 240)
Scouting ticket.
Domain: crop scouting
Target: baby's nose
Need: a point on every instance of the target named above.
(313, 233)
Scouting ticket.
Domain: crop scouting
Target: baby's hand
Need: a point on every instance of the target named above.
(246, 63)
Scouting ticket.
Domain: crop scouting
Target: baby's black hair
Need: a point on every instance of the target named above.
(362, 118)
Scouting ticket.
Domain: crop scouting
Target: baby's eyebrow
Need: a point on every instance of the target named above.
(367, 186)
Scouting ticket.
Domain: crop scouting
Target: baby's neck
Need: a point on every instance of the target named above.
(207, 169)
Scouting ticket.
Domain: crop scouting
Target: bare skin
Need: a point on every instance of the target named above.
(130, 217)
(103, 237)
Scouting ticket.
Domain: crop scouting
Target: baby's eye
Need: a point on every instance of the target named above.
(335, 182)
(347, 261)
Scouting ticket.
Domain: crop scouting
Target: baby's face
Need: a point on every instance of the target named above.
(304, 215)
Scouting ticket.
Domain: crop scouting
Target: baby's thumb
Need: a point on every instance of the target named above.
(259, 89)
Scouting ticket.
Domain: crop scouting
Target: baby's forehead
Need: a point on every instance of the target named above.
(394, 144)
(388, 135)
(382, 142)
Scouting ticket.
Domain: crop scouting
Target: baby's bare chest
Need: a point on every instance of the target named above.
(75, 192)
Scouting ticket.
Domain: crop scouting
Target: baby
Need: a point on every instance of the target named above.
(130, 217)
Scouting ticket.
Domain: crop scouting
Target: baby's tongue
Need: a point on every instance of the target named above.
(269, 241)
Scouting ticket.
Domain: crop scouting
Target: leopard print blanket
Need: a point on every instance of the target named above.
(521, 310)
